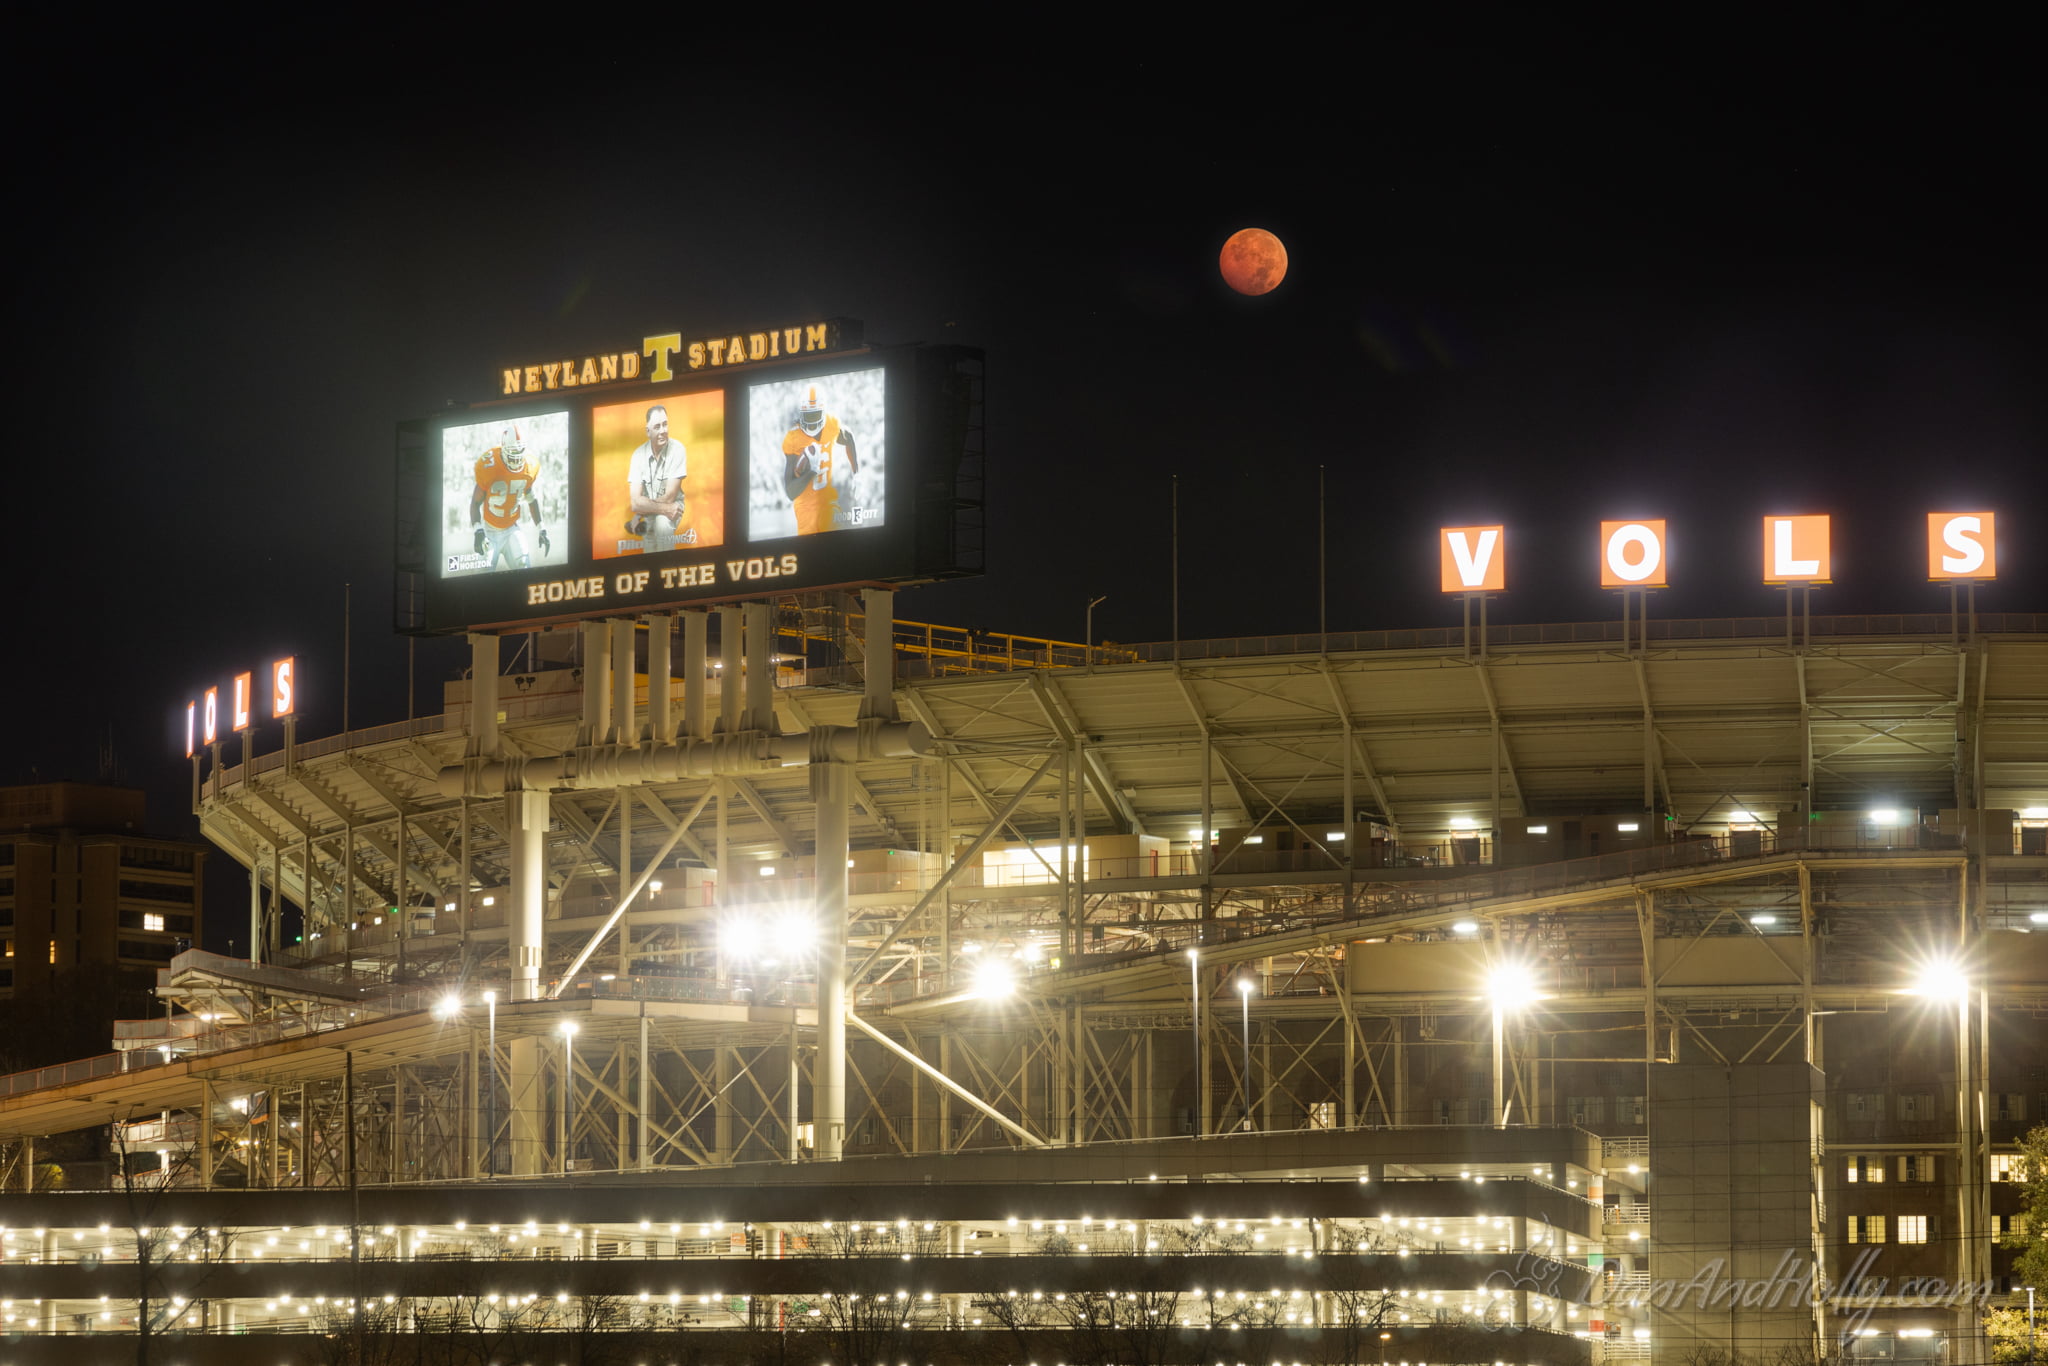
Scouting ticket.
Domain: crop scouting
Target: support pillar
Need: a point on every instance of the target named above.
(661, 721)
(878, 697)
(830, 784)
(597, 694)
(695, 633)
(728, 670)
(644, 1155)
(722, 1107)
(527, 817)
(256, 901)
(483, 697)
(760, 684)
(523, 1086)
(625, 726)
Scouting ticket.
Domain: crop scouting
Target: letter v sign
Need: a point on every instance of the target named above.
(1472, 559)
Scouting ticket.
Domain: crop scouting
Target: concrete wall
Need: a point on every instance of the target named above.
(1732, 1188)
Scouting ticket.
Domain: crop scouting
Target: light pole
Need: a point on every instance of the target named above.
(563, 1126)
(1244, 995)
(1088, 635)
(1510, 988)
(1195, 1004)
(491, 1106)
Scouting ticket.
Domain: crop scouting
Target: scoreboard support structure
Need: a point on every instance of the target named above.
(610, 753)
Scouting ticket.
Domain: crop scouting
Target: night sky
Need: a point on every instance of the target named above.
(1539, 275)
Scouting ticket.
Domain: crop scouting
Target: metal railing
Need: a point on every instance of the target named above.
(1765, 628)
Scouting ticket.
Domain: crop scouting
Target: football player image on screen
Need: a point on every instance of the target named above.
(504, 490)
(819, 462)
(654, 487)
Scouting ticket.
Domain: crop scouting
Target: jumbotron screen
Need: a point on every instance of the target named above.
(611, 499)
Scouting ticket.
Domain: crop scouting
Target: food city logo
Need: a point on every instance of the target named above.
(203, 716)
(1961, 546)
(633, 582)
(664, 352)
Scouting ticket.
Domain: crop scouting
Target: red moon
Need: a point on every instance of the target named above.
(1254, 261)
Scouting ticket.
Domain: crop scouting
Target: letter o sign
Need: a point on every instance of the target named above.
(1632, 555)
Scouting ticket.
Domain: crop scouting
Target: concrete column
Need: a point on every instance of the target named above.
(695, 631)
(645, 1157)
(522, 1085)
(527, 816)
(597, 695)
(625, 727)
(661, 721)
(760, 710)
(878, 694)
(483, 694)
(729, 670)
(830, 783)
(722, 1107)
(256, 903)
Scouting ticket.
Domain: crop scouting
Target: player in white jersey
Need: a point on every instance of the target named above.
(654, 487)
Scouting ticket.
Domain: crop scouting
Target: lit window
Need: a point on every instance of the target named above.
(1866, 1228)
(1867, 1169)
(2005, 1167)
(1912, 1228)
(152, 922)
(53, 950)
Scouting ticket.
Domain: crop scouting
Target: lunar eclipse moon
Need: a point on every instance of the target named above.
(1253, 261)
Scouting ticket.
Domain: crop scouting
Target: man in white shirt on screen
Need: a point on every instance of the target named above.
(654, 487)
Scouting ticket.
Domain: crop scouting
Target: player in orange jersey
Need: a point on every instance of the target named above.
(504, 481)
(813, 475)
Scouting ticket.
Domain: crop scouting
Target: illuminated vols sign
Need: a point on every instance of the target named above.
(282, 699)
(1960, 545)
(1632, 555)
(1796, 550)
(203, 718)
(1472, 558)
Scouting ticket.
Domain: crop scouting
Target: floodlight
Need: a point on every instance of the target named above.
(1244, 986)
(1941, 980)
(740, 937)
(569, 1028)
(796, 932)
(993, 979)
(448, 1007)
(1465, 927)
(2034, 813)
(1884, 816)
(1511, 985)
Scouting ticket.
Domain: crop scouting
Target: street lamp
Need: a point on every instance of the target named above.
(491, 1108)
(1244, 995)
(1195, 1004)
(562, 1127)
(1088, 636)
(1511, 987)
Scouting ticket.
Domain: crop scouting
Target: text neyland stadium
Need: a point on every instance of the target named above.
(637, 581)
(709, 352)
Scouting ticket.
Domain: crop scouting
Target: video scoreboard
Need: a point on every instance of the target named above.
(691, 471)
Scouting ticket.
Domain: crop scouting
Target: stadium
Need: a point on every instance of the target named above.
(787, 981)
